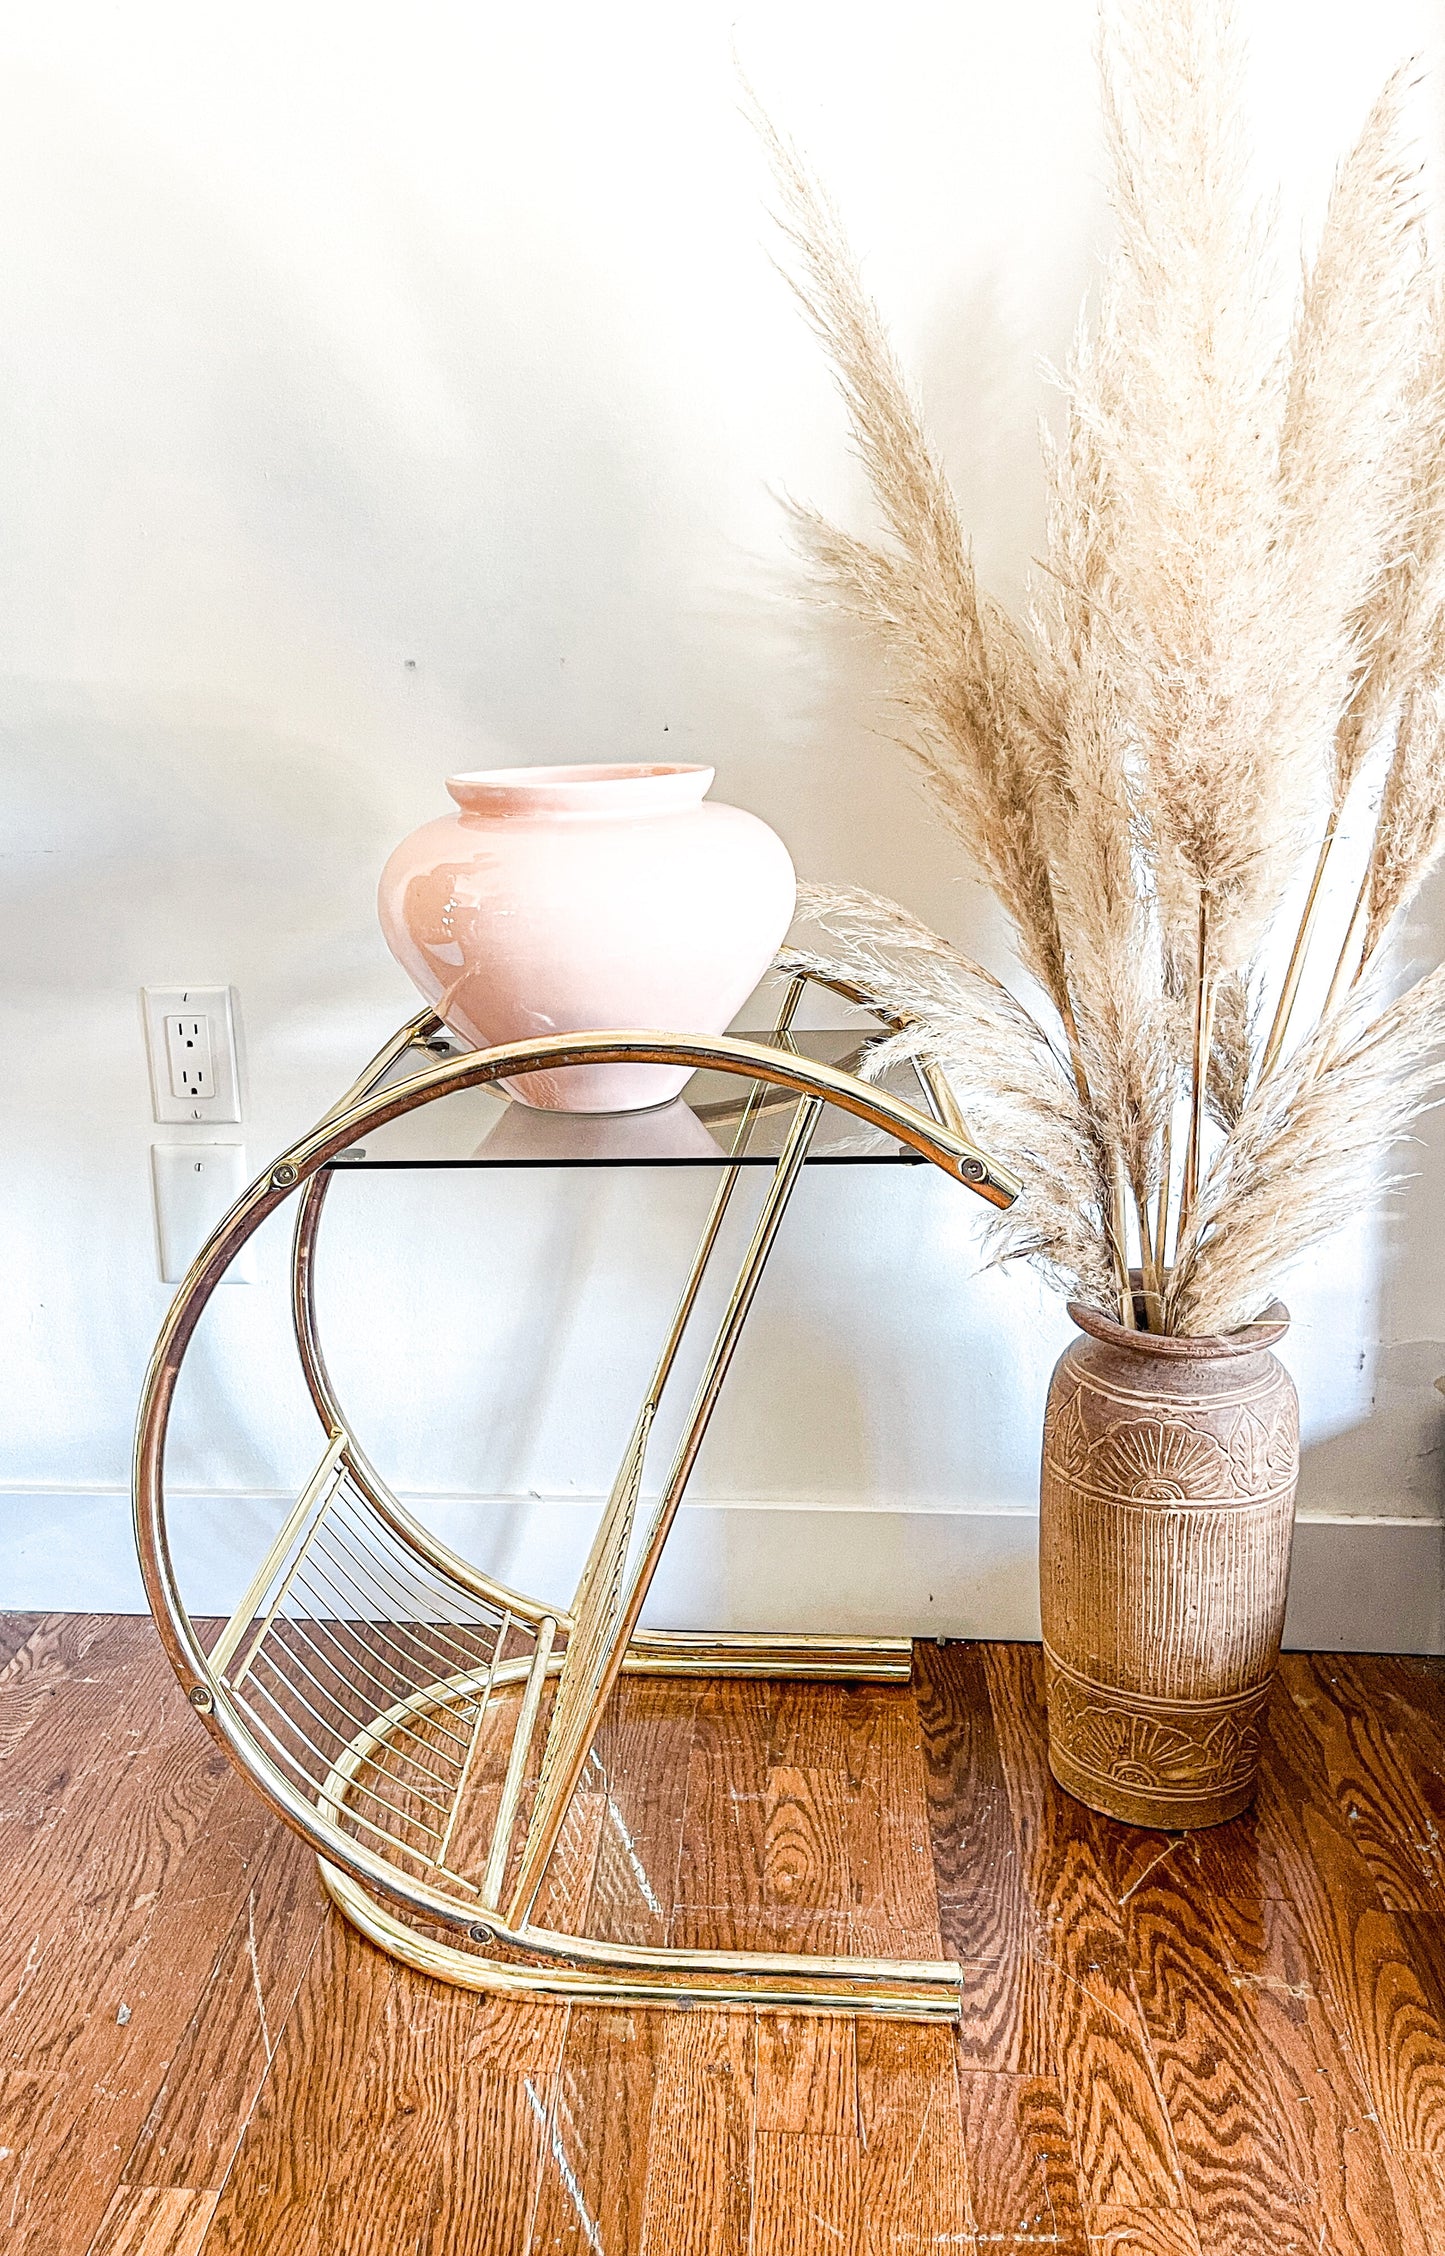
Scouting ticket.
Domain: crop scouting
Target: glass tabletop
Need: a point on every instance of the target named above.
(485, 1128)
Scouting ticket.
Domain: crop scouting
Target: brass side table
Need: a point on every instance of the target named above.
(377, 1689)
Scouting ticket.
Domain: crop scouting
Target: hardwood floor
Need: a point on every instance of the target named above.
(1214, 2045)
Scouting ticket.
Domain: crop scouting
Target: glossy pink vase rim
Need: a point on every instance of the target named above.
(588, 788)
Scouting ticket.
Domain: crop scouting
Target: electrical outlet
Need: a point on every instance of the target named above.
(191, 1042)
(189, 1060)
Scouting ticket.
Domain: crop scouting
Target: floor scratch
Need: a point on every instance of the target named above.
(1042, 1958)
(1152, 1866)
(565, 2170)
(256, 1974)
(629, 1850)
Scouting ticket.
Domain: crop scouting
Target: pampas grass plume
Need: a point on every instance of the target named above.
(1242, 600)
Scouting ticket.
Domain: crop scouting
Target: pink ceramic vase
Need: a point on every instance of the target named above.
(560, 900)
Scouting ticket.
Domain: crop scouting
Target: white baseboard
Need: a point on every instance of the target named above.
(1359, 1585)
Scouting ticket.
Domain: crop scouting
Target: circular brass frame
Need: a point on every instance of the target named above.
(360, 1880)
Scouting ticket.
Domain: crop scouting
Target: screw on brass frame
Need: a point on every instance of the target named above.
(284, 1175)
(200, 1698)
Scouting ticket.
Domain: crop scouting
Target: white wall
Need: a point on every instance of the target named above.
(379, 385)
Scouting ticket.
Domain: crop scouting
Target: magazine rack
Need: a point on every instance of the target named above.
(425, 1727)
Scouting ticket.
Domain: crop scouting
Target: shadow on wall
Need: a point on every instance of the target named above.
(146, 817)
(984, 392)
(1389, 1457)
(151, 841)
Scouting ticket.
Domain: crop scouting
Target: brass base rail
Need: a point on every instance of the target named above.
(903, 1991)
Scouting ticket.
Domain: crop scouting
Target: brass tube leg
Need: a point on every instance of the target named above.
(512, 1784)
(601, 1645)
(687, 1300)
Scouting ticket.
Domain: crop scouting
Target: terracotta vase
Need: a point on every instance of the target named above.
(564, 900)
(1166, 1513)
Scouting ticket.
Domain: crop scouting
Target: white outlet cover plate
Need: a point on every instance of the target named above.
(193, 1184)
(213, 1003)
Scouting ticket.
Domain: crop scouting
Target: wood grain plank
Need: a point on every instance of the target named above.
(1269, 1974)
(594, 2164)
(1005, 2023)
(895, 1894)
(116, 1846)
(70, 2177)
(1235, 1860)
(750, 1927)
(763, 1860)
(1371, 1778)
(407, 2105)
(1418, 2184)
(828, 1726)
(1149, 2232)
(1128, 1857)
(117, 2022)
(37, 1643)
(1123, 2140)
(567, 1885)
(1024, 2188)
(154, 2221)
(1247, 2170)
(807, 2074)
(107, 1918)
(1424, 1933)
(809, 2195)
(1410, 1690)
(720, 1864)
(914, 2180)
(216, 2072)
(399, 2113)
(983, 1902)
(1382, 2008)
(100, 1695)
(301, 2127)
(986, 1914)
(35, 2105)
(805, 1842)
(493, 2153)
(1322, 2112)
(1407, 1693)
(698, 2197)
(644, 1746)
(1096, 2040)
(17, 1629)
(115, 1956)
(40, 1653)
(1299, 1821)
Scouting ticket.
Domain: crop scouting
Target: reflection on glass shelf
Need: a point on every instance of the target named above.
(481, 1128)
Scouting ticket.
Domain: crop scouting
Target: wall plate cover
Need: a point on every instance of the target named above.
(193, 1184)
(191, 1044)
